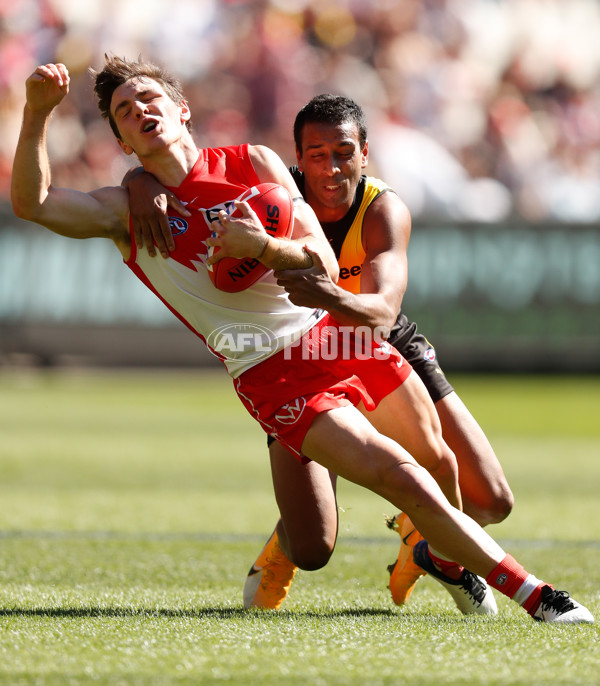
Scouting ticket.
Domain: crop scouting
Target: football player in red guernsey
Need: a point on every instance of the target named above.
(305, 398)
(369, 228)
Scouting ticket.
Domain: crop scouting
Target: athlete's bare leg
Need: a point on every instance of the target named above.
(305, 494)
(409, 416)
(486, 495)
(347, 444)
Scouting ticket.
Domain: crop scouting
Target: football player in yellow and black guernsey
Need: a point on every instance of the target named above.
(369, 227)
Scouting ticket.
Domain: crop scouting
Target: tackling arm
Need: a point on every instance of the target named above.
(386, 233)
(148, 202)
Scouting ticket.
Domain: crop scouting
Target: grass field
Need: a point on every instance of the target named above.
(132, 506)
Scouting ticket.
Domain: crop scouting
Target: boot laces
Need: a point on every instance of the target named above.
(560, 601)
(473, 586)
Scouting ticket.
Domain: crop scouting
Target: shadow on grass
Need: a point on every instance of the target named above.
(237, 613)
(216, 612)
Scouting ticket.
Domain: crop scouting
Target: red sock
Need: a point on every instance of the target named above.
(512, 579)
(447, 567)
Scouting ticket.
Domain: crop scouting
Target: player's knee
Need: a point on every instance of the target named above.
(494, 509)
(313, 555)
(443, 464)
(501, 506)
(406, 483)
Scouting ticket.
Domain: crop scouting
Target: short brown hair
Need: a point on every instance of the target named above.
(330, 109)
(118, 71)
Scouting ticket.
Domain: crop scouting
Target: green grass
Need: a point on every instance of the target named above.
(133, 505)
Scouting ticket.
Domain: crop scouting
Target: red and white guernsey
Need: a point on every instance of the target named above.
(242, 329)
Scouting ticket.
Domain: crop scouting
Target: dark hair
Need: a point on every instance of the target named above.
(118, 71)
(330, 109)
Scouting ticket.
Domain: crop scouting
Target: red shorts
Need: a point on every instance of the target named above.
(319, 373)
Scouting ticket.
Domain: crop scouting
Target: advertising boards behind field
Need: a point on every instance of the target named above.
(489, 297)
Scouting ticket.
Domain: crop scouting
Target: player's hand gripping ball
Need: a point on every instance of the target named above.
(274, 209)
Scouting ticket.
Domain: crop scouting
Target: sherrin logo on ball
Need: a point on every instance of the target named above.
(274, 207)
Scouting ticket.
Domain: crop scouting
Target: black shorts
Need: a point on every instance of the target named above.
(417, 350)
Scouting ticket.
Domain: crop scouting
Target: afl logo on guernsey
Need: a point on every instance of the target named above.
(178, 225)
(429, 355)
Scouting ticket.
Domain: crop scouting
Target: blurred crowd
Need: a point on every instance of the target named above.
(480, 110)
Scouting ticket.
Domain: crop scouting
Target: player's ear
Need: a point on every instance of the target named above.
(299, 158)
(184, 108)
(365, 155)
(127, 149)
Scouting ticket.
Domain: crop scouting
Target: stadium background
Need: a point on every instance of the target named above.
(484, 115)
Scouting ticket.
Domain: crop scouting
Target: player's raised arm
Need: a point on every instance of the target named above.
(102, 213)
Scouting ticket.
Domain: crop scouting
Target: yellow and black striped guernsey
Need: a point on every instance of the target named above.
(345, 235)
